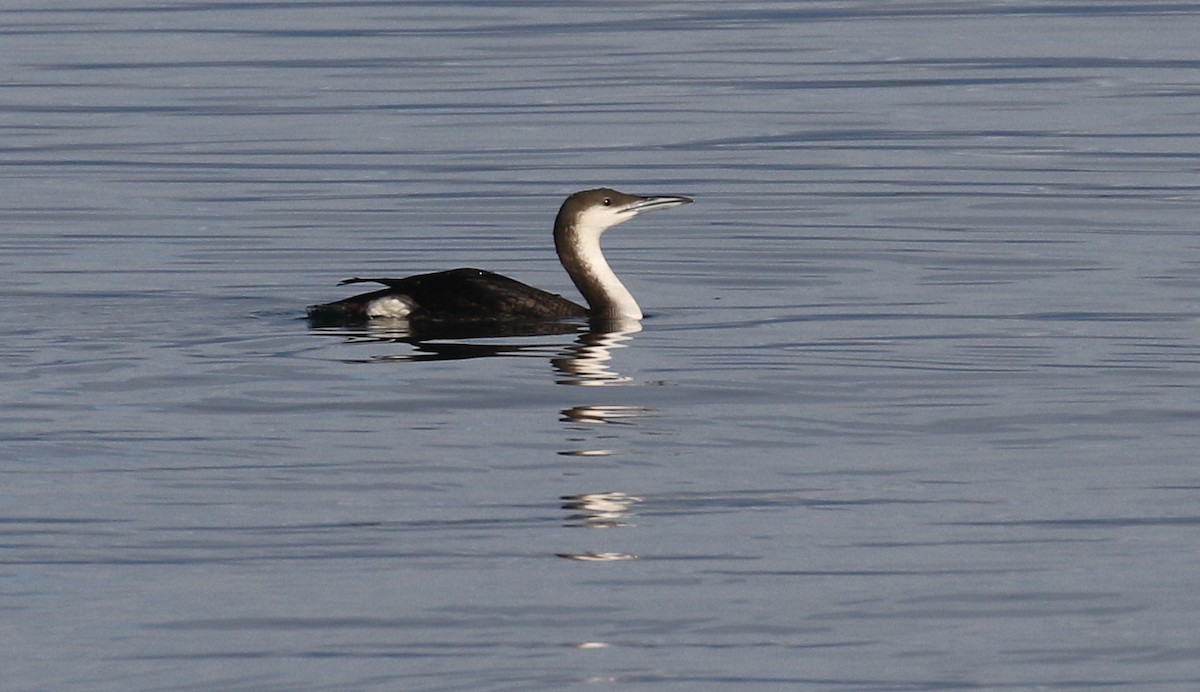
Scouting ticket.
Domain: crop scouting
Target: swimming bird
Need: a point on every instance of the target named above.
(475, 294)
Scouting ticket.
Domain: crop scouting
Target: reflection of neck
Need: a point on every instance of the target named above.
(580, 254)
(587, 361)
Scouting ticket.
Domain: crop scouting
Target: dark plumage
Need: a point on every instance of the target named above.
(456, 294)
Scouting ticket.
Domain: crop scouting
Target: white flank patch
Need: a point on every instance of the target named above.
(390, 306)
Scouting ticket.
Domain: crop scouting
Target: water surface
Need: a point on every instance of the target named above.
(914, 407)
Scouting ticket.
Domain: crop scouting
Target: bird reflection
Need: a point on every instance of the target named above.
(597, 557)
(603, 414)
(600, 510)
(585, 362)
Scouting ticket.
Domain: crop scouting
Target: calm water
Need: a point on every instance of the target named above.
(915, 407)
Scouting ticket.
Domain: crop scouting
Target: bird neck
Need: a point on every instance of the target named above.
(580, 254)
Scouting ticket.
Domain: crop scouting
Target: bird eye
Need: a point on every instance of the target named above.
(607, 202)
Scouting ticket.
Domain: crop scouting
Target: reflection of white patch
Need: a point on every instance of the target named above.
(390, 306)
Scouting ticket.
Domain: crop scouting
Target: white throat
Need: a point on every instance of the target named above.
(583, 259)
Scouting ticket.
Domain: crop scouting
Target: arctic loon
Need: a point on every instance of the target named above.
(475, 294)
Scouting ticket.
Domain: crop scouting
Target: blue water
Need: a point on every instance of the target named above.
(915, 405)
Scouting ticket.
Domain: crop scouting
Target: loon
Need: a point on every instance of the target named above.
(475, 294)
